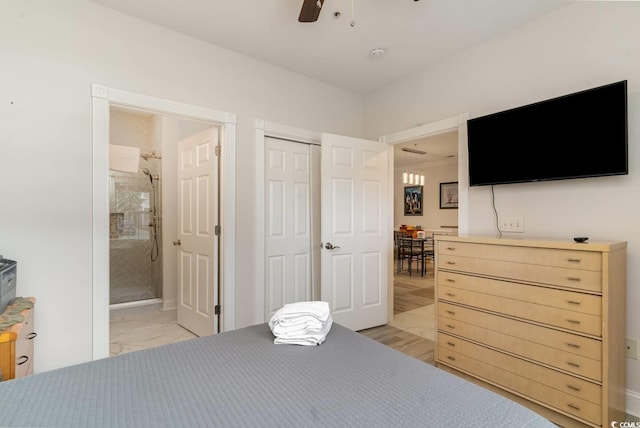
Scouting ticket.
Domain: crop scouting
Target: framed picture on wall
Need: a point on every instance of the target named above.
(413, 200)
(449, 195)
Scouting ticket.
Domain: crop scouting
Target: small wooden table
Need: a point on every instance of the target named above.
(16, 346)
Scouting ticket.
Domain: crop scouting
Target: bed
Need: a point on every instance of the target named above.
(241, 379)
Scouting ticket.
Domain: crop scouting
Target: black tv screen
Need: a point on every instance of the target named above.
(578, 135)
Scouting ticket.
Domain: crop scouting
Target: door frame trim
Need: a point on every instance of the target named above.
(102, 98)
(269, 129)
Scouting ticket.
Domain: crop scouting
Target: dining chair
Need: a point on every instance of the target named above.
(411, 250)
(428, 252)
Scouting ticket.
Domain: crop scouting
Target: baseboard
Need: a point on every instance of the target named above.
(134, 308)
(169, 304)
(633, 403)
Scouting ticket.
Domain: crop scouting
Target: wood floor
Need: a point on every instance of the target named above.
(409, 292)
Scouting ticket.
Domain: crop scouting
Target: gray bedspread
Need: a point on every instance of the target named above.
(241, 379)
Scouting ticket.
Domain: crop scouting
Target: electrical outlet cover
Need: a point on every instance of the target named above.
(632, 348)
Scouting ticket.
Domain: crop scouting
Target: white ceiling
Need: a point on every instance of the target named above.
(440, 148)
(414, 34)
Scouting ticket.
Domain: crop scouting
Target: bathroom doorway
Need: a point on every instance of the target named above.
(135, 212)
(173, 115)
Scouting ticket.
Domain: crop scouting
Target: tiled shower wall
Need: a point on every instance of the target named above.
(133, 275)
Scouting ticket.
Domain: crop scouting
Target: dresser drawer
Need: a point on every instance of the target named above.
(577, 279)
(562, 299)
(583, 260)
(571, 353)
(557, 390)
(24, 358)
(24, 347)
(575, 321)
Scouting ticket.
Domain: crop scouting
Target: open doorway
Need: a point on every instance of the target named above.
(103, 99)
(147, 288)
(411, 327)
(421, 166)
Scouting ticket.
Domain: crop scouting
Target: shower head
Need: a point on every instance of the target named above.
(147, 172)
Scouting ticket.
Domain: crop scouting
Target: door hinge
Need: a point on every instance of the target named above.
(217, 150)
(216, 230)
(216, 310)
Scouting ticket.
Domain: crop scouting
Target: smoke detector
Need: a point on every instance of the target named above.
(377, 52)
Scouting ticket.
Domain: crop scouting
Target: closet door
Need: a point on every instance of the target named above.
(288, 224)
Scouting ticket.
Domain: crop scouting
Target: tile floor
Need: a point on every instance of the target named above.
(145, 330)
(420, 322)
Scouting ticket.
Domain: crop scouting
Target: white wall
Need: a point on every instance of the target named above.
(582, 45)
(432, 216)
(51, 54)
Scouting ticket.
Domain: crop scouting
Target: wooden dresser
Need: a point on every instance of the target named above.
(16, 347)
(542, 322)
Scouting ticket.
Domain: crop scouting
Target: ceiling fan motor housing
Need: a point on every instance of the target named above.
(310, 10)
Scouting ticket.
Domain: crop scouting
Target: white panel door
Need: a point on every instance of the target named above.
(197, 217)
(355, 222)
(288, 229)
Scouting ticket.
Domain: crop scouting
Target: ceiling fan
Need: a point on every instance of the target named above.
(310, 10)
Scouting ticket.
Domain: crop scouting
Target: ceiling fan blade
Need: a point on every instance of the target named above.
(310, 10)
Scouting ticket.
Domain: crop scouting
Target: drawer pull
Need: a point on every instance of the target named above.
(451, 263)
(451, 344)
(573, 302)
(451, 248)
(452, 327)
(574, 260)
(573, 278)
(451, 312)
(573, 345)
(575, 388)
(450, 294)
(24, 359)
(451, 280)
(573, 406)
(573, 364)
(573, 321)
(449, 357)
(32, 335)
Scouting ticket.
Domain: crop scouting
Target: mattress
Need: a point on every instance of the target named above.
(241, 379)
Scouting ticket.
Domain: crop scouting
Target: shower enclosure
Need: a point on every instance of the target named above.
(135, 264)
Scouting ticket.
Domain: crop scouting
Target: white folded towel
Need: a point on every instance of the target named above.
(306, 339)
(302, 323)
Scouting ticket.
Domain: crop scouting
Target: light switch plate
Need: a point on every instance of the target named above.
(512, 224)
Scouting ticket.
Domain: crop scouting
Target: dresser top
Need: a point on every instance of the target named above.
(563, 244)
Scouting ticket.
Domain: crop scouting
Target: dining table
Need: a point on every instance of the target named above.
(412, 248)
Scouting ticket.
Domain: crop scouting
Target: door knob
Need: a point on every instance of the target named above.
(178, 243)
(330, 246)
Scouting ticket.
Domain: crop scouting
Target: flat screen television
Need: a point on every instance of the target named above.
(578, 135)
